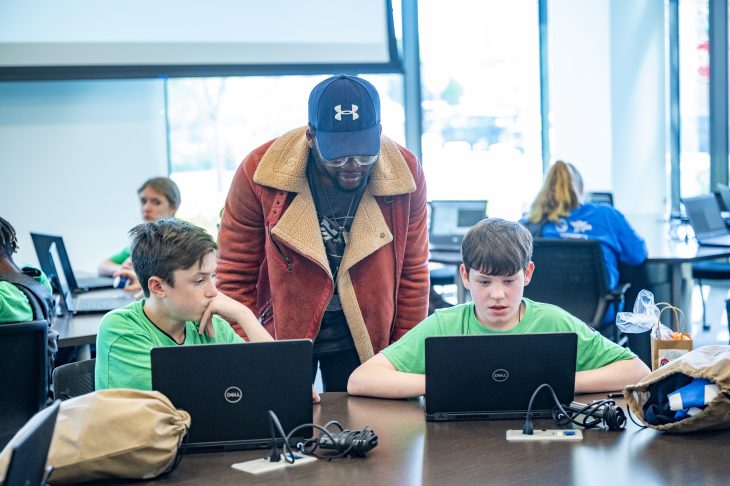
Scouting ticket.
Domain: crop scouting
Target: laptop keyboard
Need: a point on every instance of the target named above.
(103, 304)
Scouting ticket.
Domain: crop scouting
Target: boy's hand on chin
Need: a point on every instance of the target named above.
(223, 306)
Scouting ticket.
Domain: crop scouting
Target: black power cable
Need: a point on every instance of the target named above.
(345, 442)
(600, 412)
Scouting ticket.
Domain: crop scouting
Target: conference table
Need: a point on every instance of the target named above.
(411, 451)
(77, 330)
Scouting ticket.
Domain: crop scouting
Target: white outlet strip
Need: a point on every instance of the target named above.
(568, 435)
(263, 465)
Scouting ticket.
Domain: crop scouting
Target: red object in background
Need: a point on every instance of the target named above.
(703, 52)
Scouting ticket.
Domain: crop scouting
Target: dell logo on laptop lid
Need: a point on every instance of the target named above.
(500, 375)
(233, 394)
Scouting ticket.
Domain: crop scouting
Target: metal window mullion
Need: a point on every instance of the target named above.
(718, 130)
(412, 78)
(675, 133)
(542, 8)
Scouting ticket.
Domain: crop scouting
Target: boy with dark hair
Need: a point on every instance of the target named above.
(14, 303)
(496, 255)
(175, 262)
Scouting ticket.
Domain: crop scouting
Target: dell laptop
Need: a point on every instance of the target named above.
(30, 449)
(42, 244)
(704, 216)
(228, 390)
(450, 220)
(73, 303)
(480, 377)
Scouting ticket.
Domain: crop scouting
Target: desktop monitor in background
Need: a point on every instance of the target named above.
(450, 220)
(600, 198)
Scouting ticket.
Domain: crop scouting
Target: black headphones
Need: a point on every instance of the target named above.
(599, 413)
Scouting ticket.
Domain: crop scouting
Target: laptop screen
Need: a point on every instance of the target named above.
(228, 389)
(704, 214)
(453, 219)
(42, 244)
(60, 275)
(478, 377)
(723, 195)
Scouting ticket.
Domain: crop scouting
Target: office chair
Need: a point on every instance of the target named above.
(572, 275)
(30, 447)
(440, 276)
(24, 377)
(709, 270)
(73, 379)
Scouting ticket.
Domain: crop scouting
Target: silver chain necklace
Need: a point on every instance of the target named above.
(341, 229)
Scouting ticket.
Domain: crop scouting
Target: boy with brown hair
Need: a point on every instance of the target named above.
(176, 263)
(497, 266)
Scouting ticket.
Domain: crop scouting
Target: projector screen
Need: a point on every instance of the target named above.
(66, 39)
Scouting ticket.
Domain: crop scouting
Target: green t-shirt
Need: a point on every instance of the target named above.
(121, 257)
(14, 305)
(126, 337)
(594, 351)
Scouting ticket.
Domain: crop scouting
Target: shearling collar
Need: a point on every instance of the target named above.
(284, 167)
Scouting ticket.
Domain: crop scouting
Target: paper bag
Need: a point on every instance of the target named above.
(666, 347)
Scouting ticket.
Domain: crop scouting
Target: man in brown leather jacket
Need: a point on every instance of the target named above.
(324, 232)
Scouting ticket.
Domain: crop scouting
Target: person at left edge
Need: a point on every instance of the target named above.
(324, 232)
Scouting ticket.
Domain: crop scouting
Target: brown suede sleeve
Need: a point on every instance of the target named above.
(242, 235)
(412, 299)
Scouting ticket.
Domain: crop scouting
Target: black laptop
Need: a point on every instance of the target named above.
(73, 303)
(450, 220)
(707, 222)
(494, 376)
(42, 244)
(30, 449)
(228, 390)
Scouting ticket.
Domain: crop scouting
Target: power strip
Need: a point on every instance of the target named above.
(569, 435)
(263, 465)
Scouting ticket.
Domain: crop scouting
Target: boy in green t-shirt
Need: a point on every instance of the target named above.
(176, 263)
(496, 268)
(14, 305)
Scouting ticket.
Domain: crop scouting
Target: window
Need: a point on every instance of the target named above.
(481, 107)
(694, 74)
(215, 122)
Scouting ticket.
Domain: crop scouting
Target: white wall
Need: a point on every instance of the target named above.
(638, 103)
(607, 97)
(72, 155)
(579, 56)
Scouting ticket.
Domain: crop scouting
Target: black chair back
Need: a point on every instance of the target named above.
(29, 448)
(73, 379)
(570, 274)
(24, 377)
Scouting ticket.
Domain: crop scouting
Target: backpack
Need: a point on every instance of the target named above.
(41, 303)
(40, 299)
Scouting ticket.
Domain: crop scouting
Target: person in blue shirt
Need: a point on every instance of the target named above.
(559, 212)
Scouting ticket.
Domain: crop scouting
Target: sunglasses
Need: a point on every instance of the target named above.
(361, 160)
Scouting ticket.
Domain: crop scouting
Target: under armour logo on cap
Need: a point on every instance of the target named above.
(340, 112)
(343, 132)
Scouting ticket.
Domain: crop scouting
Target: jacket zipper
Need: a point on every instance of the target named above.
(283, 254)
(395, 268)
(266, 314)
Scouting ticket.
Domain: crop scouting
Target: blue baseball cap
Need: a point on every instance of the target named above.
(345, 113)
